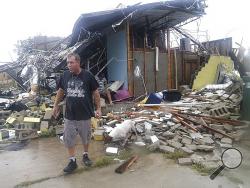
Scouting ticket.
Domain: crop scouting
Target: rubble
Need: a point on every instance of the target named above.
(197, 125)
(184, 161)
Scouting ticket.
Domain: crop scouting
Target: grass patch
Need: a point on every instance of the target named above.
(28, 183)
(176, 155)
(104, 161)
(202, 169)
(125, 154)
(48, 133)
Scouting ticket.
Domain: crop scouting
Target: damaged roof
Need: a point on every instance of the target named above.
(152, 16)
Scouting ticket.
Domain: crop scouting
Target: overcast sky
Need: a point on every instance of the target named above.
(21, 19)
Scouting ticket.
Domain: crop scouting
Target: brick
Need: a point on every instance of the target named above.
(185, 161)
(167, 149)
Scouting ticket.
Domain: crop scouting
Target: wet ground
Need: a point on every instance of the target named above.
(40, 164)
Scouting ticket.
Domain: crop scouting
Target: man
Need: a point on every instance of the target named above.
(79, 87)
(103, 90)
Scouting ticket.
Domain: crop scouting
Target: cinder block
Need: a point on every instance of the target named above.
(185, 161)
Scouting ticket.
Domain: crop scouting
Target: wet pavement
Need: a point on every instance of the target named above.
(40, 164)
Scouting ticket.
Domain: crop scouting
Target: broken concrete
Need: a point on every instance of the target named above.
(185, 161)
(167, 149)
(205, 148)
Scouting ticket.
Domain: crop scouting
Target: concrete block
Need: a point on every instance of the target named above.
(163, 143)
(205, 141)
(217, 126)
(214, 158)
(174, 144)
(168, 135)
(187, 150)
(48, 115)
(186, 140)
(225, 146)
(171, 124)
(154, 146)
(44, 125)
(111, 150)
(205, 148)
(191, 147)
(4, 134)
(156, 123)
(197, 159)
(177, 138)
(210, 164)
(185, 161)
(196, 135)
(59, 129)
(167, 149)
(228, 127)
(218, 136)
(226, 140)
(172, 129)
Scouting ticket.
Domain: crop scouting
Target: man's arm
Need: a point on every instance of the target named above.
(96, 96)
(59, 97)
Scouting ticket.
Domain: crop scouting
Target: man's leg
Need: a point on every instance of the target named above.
(69, 138)
(71, 151)
(84, 130)
(86, 148)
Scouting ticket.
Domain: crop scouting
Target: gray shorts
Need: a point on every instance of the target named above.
(72, 128)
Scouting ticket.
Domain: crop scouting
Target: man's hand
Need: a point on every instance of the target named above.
(98, 113)
(56, 111)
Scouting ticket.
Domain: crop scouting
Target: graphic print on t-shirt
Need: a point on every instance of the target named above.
(75, 88)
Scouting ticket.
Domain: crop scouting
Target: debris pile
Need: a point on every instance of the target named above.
(200, 126)
(27, 118)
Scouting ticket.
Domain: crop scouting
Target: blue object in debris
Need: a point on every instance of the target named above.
(154, 98)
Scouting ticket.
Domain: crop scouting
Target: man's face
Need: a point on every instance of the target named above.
(73, 64)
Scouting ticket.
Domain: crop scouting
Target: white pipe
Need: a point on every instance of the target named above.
(156, 58)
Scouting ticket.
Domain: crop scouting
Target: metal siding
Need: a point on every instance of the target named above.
(117, 48)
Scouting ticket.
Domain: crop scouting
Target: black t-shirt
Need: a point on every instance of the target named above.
(78, 89)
